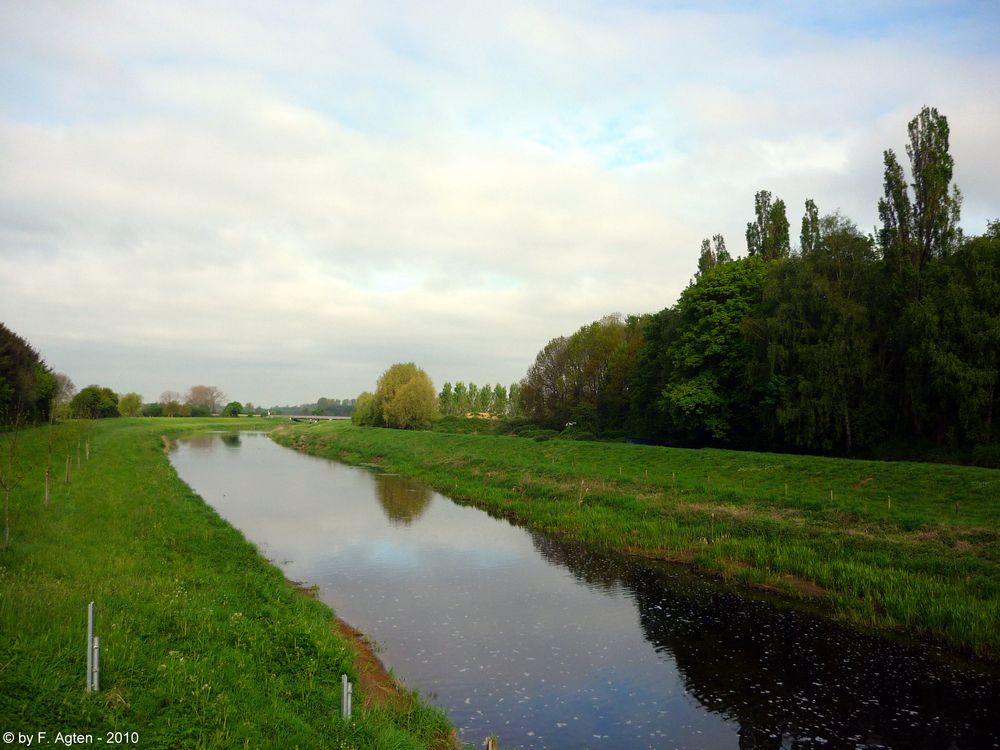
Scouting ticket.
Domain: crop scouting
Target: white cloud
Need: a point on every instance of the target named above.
(287, 200)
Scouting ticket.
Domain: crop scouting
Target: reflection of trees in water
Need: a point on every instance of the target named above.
(784, 676)
(208, 442)
(403, 500)
(201, 443)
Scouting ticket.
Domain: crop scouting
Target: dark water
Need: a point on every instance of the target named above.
(550, 646)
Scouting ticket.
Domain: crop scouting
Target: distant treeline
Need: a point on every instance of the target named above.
(498, 400)
(324, 407)
(849, 343)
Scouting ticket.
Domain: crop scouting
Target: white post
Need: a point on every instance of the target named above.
(97, 664)
(90, 647)
(345, 697)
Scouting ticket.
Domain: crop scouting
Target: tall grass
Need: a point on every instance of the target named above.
(926, 564)
(203, 643)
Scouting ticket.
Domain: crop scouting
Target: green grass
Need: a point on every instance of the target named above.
(203, 643)
(926, 565)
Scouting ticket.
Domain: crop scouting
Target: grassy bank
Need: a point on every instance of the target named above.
(912, 548)
(203, 643)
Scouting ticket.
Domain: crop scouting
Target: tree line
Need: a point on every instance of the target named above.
(28, 387)
(463, 399)
(849, 343)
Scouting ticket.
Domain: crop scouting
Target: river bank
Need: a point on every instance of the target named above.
(203, 642)
(901, 548)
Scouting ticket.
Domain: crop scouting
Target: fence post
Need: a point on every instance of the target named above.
(97, 664)
(90, 647)
(346, 690)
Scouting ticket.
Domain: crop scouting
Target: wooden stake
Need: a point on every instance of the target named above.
(88, 450)
(67, 468)
(890, 502)
(48, 474)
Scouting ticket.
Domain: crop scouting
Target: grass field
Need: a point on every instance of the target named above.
(904, 547)
(203, 643)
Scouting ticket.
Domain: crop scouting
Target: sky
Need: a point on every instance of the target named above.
(284, 199)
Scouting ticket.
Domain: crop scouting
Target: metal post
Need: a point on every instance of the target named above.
(345, 697)
(97, 664)
(90, 647)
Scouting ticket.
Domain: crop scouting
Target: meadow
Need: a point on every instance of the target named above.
(203, 642)
(908, 549)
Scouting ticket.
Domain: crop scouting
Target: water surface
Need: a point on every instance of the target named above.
(548, 645)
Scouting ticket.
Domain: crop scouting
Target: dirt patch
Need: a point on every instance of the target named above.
(681, 556)
(863, 483)
(166, 444)
(800, 585)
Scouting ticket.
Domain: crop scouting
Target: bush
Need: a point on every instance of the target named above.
(987, 455)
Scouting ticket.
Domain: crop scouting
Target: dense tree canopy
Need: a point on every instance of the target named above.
(27, 387)
(847, 344)
(94, 402)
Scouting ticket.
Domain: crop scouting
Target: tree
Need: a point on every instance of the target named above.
(713, 253)
(809, 237)
(404, 398)
(767, 236)
(130, 405)
(498, 404)
(573, 373)
(94, 402)
(65, 390)
(914, 234)
(27, 386)
(461, 404)
(707, 391)
(171, 403)
(232, 409)
(816, 347)
(208, 397)
(706, 260)
(936, 203)
(446, 400)
(364, 411)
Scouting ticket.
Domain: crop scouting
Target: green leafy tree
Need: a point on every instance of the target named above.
(707, 390)
(446, 400)
(94, 402)
(915, 234)
(27, 386)
(461, 403)
(365, 411)
(767, 236)
(809, 238)
(817, 347)
(706, 259)
(172, 406)
(232, 409)
(406, 398)
(498, 404)
(130, 405)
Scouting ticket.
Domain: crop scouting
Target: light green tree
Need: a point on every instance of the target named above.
(405, 397)
(130, 405)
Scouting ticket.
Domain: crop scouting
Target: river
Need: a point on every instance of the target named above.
(548, 645)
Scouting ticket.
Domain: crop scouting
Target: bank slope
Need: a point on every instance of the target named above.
(203, 644)
(910, 548)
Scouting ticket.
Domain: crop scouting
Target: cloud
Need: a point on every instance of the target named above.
(286, 201)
